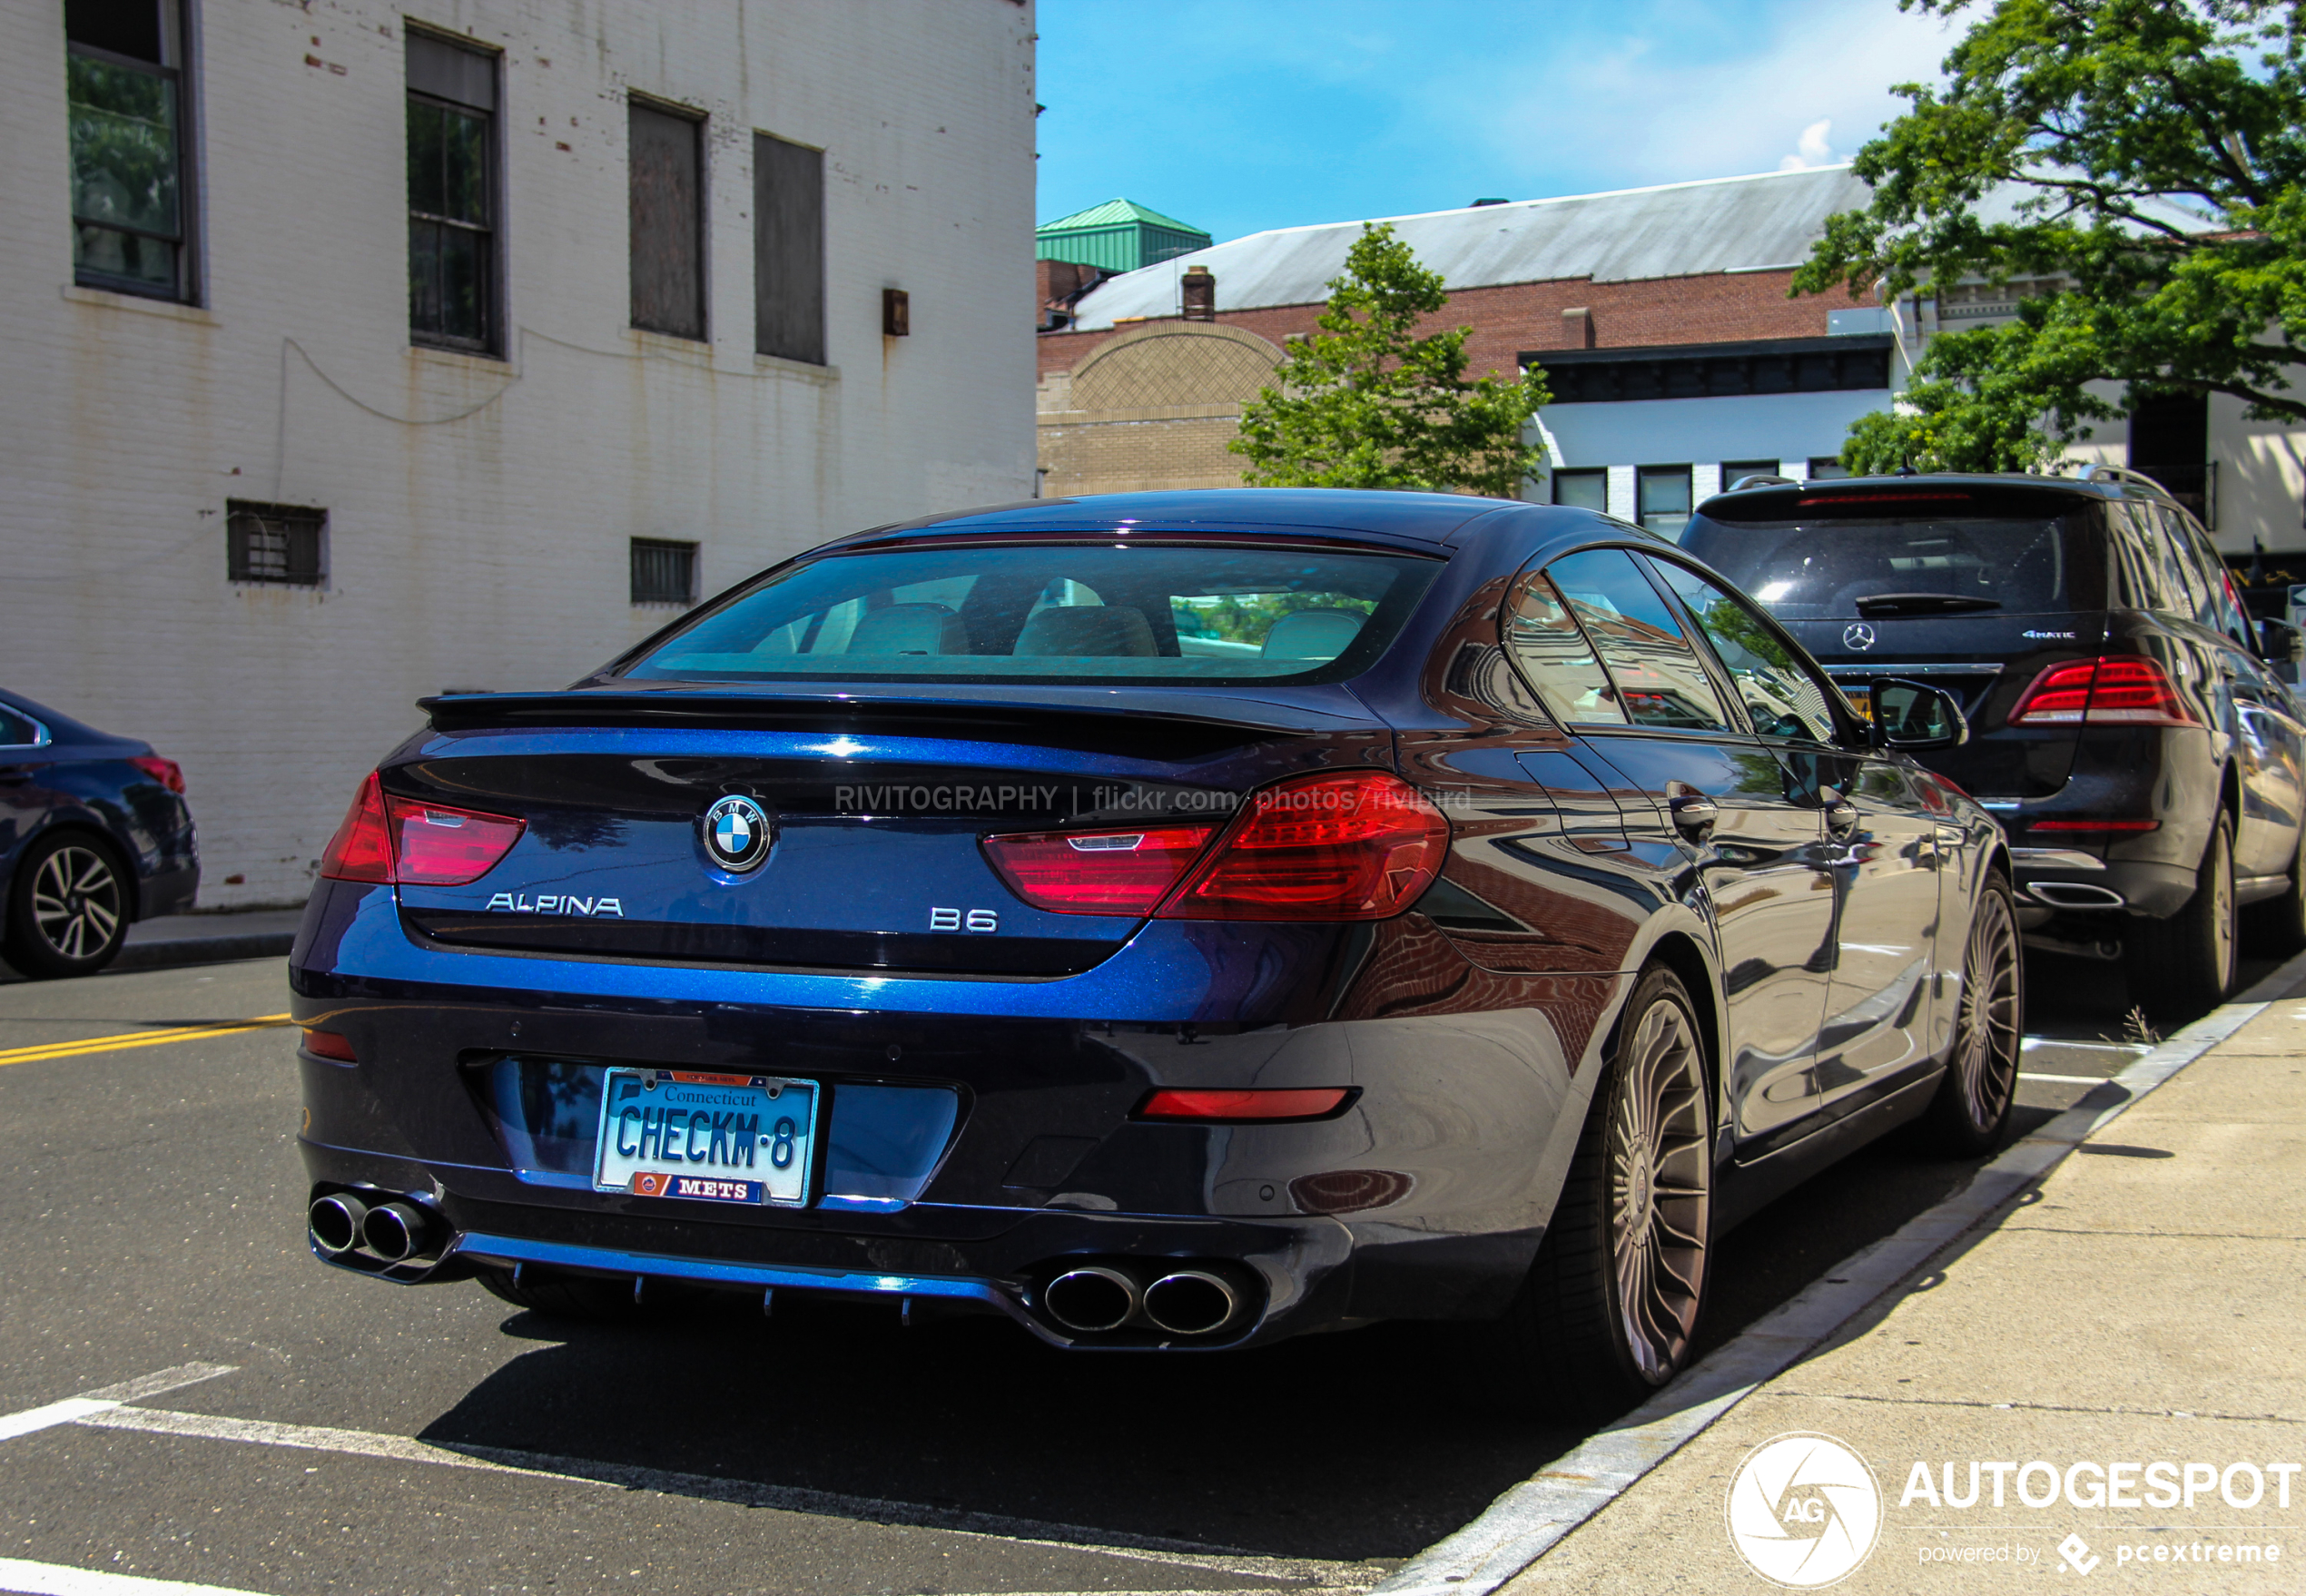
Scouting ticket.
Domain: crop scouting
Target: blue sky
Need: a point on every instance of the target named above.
(1238, 117)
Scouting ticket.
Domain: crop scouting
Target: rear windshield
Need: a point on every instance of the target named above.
(1820, 567)
(1055, 612)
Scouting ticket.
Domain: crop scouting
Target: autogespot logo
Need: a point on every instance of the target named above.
(1803, 1511)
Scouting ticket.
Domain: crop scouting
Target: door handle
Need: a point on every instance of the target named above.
(1694, 813)
(1841, 818)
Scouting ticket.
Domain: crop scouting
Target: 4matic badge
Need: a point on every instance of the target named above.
(737, 833)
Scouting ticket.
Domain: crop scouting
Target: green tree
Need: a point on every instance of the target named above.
(1368, 402)
(2157, 155)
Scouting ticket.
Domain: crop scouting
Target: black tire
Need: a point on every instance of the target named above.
(1611, 1303)
(2275, 928)
(2186, 962)
(587, 1298)
(1975, 1104)
(68, 907)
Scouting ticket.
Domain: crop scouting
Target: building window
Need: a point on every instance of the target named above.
(1587, 490)
(788, 250)
(1730, 370)
(125, 88)
(663, 572)
(452, 204)
(666, 153)
(1826, 468)
(282, 544)
(1732, 471)
(1662, 500)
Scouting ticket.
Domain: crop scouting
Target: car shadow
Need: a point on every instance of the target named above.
(1370, 1444)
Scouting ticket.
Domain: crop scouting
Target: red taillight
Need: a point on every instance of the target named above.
(1244, 1105)
(328, 1044)
(1356, 846)
(2114, 690)
(1097, 872)
(389, 839)
(361, 850)
(166, 772)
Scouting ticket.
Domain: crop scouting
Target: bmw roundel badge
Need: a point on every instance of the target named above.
(737, 833)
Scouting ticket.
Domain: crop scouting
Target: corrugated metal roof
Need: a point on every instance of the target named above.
(1680, 230)
(1115, 212)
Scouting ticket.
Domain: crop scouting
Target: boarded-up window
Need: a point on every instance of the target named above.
(788, 250)
(667, 157)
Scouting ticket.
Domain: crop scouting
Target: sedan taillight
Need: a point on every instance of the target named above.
(388, 839)
(1097, 872)
(166, 772)
(2128, 689)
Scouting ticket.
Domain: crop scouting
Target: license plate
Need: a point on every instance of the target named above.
(716, 1138)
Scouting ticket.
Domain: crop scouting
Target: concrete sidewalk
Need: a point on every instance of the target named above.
(2144, 1303)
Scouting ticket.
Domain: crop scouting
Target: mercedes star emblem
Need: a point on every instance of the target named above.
(1860, 635)
(737, 833)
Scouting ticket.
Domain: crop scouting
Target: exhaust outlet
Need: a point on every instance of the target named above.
(1090, 1298)
(335, 1221)
(1190, 1302)
(2075, 895)
(395, 1232)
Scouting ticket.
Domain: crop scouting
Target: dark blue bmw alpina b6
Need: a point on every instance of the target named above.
(1174, 920)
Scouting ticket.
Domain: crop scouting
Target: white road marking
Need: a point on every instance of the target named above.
(2032, 1042)
(742, 1492)
(89, 1404)
(2068, 1079)
(49, 1579)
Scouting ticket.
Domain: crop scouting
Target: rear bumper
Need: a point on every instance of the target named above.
(2071, 879)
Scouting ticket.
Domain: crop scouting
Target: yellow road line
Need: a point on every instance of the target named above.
(136, 1039)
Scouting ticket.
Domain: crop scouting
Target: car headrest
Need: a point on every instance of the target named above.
(909, 628)
(1086, 629)
(1313, 633)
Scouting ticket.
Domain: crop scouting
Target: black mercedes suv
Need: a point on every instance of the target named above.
(2134, 730)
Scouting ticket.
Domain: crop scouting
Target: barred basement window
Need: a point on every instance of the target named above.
(663, 572)
(285, 544)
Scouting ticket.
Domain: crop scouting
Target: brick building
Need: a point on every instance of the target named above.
(1662, 320)
(367, 350)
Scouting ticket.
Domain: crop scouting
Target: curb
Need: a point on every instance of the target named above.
(1530, 1519)
(204, 950)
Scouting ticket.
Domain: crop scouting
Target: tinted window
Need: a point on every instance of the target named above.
(1782, 697)
(1806, 559)
(1054, 612)
(1555, 657)
(1659, 678)
(17, 730)
(2135, 537)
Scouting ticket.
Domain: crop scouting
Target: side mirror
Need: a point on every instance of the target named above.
(1914, 716)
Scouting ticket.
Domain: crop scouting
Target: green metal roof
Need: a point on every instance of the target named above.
(1113, 212)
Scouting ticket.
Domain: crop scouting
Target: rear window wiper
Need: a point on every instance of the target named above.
(1922, 603)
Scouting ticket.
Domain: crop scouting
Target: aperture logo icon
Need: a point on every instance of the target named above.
(1803, 1511)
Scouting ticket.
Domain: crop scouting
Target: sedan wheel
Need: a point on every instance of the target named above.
(1611, 1303)
(1972, 1113)
(68, 914)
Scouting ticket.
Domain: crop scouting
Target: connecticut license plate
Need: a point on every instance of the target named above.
(716, 1138)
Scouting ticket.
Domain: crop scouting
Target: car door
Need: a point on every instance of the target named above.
(24, 753)
(2266, 726)
(1882, 848)
(1705, 787)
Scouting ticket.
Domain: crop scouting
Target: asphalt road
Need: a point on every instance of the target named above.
(258, 1423)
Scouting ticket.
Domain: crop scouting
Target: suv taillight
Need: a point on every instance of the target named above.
(387, 839)
(2129, 689)
(1356, 846)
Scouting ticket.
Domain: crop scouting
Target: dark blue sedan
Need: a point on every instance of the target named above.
(94, 834)
(1175, 921)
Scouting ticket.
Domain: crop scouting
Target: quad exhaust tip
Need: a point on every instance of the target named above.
(395, 1232)
(1092, 1298)
(336, 1221)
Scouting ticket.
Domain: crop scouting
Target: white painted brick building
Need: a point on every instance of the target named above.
(480, 502)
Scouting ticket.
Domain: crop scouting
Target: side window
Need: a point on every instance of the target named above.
(1555, 657)
(2135, 537)
(16, 731)
(1783, 697)
(1659, 680)
(2225, 613)
(2181, 577)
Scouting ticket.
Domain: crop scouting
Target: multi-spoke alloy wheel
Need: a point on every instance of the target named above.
(1972, 1111)
(1660, 1189)
(1611, 1302)
(69, 910)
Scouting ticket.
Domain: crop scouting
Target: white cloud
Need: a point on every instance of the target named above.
(1811, 149)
